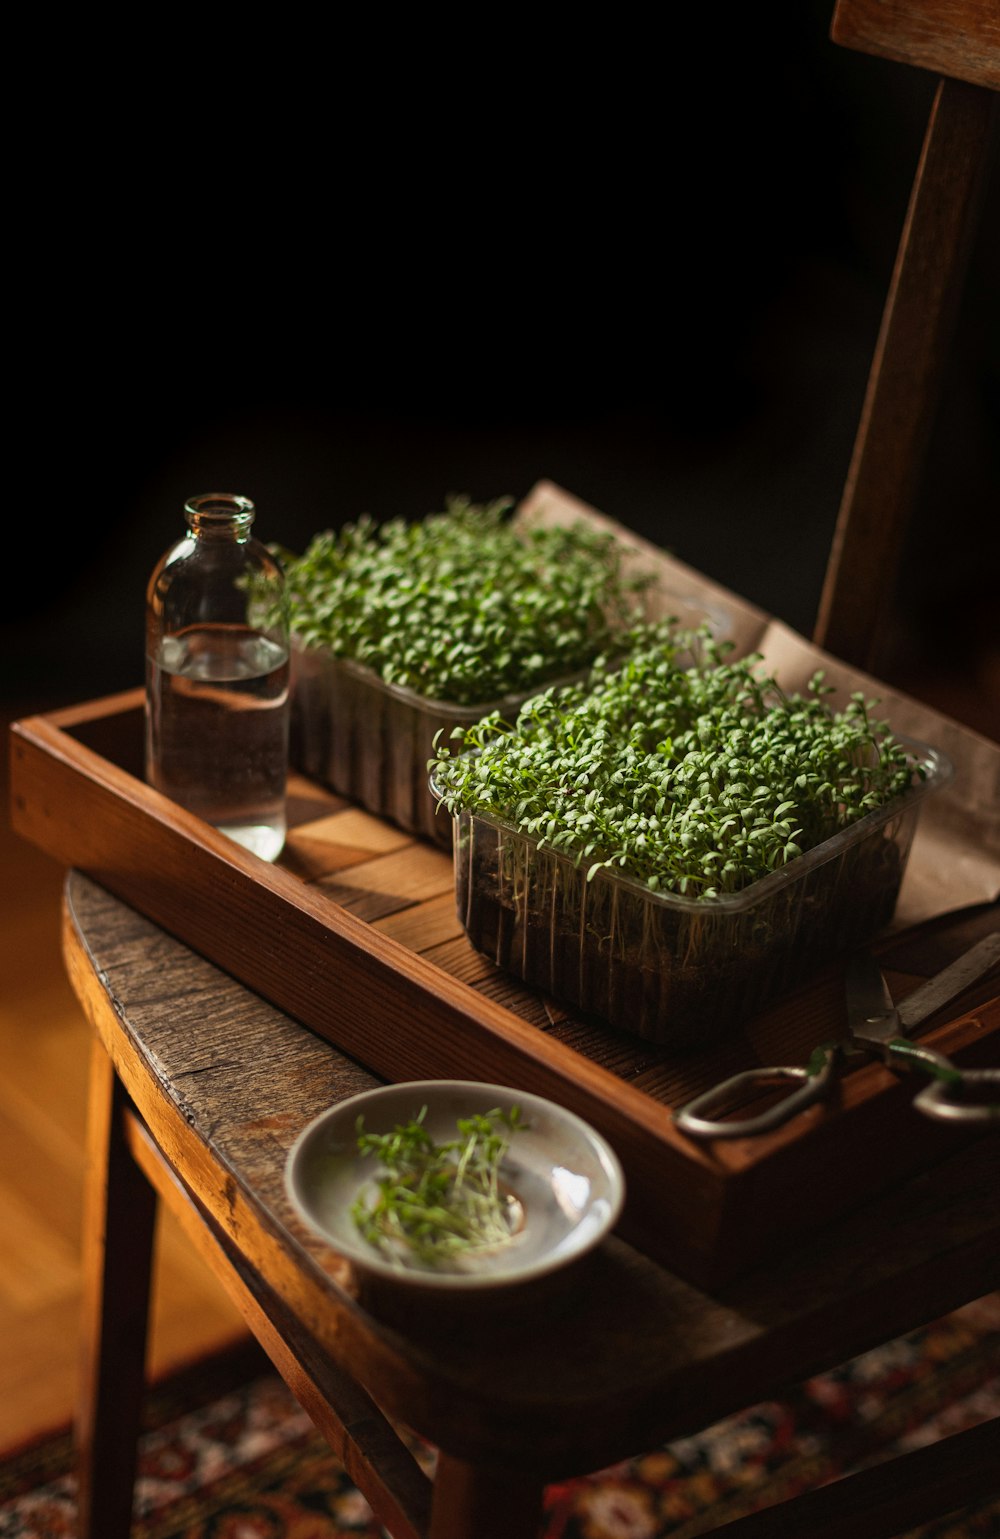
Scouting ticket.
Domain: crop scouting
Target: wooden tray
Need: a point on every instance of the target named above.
(355, 933)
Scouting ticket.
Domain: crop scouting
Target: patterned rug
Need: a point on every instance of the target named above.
(228, 1454)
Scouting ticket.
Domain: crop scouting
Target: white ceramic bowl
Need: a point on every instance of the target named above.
(565, 1176)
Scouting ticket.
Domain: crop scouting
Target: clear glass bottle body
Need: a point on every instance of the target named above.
(217, 675)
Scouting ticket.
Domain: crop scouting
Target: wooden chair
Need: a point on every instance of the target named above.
(640, 1355)
(199, 1087)
(960, 41)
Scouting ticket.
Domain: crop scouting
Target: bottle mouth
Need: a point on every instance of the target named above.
(217, 509)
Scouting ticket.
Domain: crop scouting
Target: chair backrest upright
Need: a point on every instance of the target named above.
(960, 41)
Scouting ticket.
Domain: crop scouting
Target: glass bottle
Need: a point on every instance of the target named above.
(217, 675)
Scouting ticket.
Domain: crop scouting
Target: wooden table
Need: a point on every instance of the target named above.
(199, 1088)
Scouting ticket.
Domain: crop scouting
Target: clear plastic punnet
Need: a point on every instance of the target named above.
(675, 970)
(372, 741)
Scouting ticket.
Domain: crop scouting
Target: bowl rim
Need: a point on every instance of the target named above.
(579, 1240)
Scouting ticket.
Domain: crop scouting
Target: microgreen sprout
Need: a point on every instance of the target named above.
(435, 1201)
(464, 605)
(696, 779)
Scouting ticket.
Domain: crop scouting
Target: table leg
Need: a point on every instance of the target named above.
(473, 1503)
(119, 1221)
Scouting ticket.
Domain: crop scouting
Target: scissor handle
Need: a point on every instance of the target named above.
(945, 1101)
(813, 1081)
(945, 1098)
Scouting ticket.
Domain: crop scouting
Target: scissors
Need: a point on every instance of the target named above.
(876, 1029)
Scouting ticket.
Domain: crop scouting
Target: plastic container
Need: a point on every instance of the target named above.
(674, 970)
(371, 741)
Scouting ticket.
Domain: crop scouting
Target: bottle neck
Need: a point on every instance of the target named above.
(220, 516)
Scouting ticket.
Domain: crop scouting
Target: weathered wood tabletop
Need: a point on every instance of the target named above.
(604, 1360)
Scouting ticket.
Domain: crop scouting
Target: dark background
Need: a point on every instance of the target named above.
(354, 274)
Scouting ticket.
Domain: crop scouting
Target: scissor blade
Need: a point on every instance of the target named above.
(948, 984)
(871, 1014)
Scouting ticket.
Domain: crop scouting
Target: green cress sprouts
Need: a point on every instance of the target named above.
(696, 780)
(436, 1201)
(464, 605)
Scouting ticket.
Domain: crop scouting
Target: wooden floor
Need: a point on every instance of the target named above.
(44, 1046)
